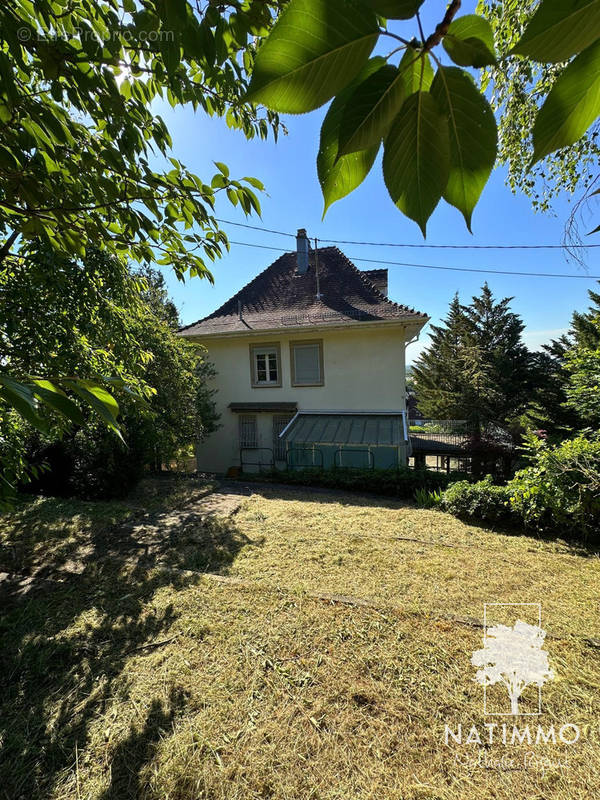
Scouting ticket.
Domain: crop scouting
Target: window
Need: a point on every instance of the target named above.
(306, 358)
(279, 423)
(248, 432)
(265, 364)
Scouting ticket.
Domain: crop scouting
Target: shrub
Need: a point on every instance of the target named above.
(560, 490)
(425, 498)
(558, 493)
(482, 501)
(401, 483)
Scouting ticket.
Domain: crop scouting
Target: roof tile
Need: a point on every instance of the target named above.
(279, 297)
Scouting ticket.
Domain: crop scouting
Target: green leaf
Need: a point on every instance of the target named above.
(340, 175)
(377, 99)
(470, 41)
(21, 398)
(559, 29)
(371, 109)
(222, 168)
(572, 105)
(315, 49)
(416, 158)
(101, 401)
(53, 396)
(416, 71)
(135, 396)
(395, 9)
(473, 137)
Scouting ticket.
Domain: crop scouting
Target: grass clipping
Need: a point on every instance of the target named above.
(142, 677)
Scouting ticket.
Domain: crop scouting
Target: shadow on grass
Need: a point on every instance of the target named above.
(71, 618)
(140, 746)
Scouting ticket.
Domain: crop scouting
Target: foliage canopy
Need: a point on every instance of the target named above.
(438, 130)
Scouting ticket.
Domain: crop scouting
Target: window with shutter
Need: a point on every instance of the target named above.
(307, 363)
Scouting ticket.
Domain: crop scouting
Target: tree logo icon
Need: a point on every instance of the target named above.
(512, 656)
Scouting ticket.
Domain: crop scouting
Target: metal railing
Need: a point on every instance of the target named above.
(261, 464)
(342, 451)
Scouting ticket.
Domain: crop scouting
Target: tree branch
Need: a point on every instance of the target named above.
(441, 29)
(4, 250)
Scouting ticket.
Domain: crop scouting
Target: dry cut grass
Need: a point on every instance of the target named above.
(128, 680)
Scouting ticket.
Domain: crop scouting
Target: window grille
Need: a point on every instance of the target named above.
(248, 430)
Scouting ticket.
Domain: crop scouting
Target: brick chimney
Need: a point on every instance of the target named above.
(302, 248)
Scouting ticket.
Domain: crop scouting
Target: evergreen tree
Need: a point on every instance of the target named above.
(582, 366)
(567, 396)
(498, 362)
(477, 367)
(437, 374)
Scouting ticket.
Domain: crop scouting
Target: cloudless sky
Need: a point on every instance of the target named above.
(293, 200)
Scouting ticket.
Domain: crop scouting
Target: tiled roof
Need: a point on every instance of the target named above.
(280, 298)
(379, 279)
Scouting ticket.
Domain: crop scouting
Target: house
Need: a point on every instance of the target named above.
(310, 362)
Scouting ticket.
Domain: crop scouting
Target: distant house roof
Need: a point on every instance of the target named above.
(281, 298)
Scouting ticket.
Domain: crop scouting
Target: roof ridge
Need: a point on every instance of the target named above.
(371, 285)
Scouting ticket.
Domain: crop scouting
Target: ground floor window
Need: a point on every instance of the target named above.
(279, 423)
(248, 430)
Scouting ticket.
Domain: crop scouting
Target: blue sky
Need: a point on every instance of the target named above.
(294, 200)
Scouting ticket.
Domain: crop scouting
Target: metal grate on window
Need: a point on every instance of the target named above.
(279, 423)
(248, 430)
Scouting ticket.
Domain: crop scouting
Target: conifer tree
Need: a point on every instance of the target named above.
(567, 397)
(477, 367)
(437, 374)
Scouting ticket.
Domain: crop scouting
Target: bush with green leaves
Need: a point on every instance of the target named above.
(426, 498)
(403, 482)
(560, 490)
(558, 493)
(478, 501)
(61, 317)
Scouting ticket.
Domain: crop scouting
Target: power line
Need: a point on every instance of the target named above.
(437, 266)
(423, 245)
(254, 227)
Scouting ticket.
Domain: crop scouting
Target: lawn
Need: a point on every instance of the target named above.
(307, 646)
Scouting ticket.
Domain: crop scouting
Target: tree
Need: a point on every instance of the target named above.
(79, 135)
(516, 86)
(497, 358)
(568, 395)
(78, 127)
(438, 129)
(582, 365)
(513, 657)
(477, 367)
(58, 315)
(437, 376)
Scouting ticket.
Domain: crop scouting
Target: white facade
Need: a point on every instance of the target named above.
(363, 366)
